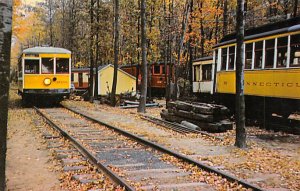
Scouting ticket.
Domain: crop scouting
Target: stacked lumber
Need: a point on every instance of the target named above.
(208, 117)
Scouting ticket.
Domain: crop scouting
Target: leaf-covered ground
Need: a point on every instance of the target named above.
(272, 159)
(29, 166)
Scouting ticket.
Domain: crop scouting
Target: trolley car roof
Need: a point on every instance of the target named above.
(46, 50)
(286, 26)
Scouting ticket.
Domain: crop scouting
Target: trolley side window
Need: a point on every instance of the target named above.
(269, 58)
(249, 49)
(32, 66)
(62, 65)
(295, 51)
(224, 59)
(196, 73)
(282, 44)
(47, 66)
(231, 57)
(258, 55)
(206, 72)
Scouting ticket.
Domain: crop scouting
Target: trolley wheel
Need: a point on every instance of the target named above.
(25, 100)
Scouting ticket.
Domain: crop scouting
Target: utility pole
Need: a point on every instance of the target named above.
(143, 98)
(5, 44)
(240, 140)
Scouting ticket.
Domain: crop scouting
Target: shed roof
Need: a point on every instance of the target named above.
(102, 67)
(46, 50)
(110, 65)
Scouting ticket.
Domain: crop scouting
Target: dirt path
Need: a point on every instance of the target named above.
(28, 162)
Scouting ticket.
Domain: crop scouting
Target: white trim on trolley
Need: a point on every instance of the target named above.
(275, 53)
(253, 56)
(263, 65)
(288, 52)
(227, 59)
(54, 65)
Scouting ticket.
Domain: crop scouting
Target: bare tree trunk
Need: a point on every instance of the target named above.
(166, 36)
(51, 22)
(138, 46)
(183, 31)
(143, 98)
(295, 8)
(116, 53)
(91, 82)
(63, 23)
(217, 22)
(225, 18)
(240, 140)
(5, 43)
(190, 64)
(169, 55)
(171, 40)
(97, 50)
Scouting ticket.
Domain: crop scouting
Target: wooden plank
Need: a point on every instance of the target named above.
(220, 126)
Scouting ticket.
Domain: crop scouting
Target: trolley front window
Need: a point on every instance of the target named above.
(156, 70)
(295, 51)
(62, 65)
(47, 66)
(32, 66)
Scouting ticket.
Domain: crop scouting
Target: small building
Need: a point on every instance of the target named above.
(126, 82)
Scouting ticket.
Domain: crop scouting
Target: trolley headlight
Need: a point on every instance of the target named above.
(47, 81)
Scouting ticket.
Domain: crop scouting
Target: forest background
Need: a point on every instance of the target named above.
(68, 24)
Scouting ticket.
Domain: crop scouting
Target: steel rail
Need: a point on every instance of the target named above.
(181, 126)
(167, 123)
(170, 152)
(117, 179)
(174, 128)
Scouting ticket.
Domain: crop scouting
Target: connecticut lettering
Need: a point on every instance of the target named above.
(274, 84)
(62, 82)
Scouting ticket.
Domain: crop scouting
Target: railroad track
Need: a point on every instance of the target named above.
(133, 162)
(177, 127)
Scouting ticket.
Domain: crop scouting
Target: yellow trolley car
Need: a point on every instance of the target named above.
(44, 72)
(272, 68)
